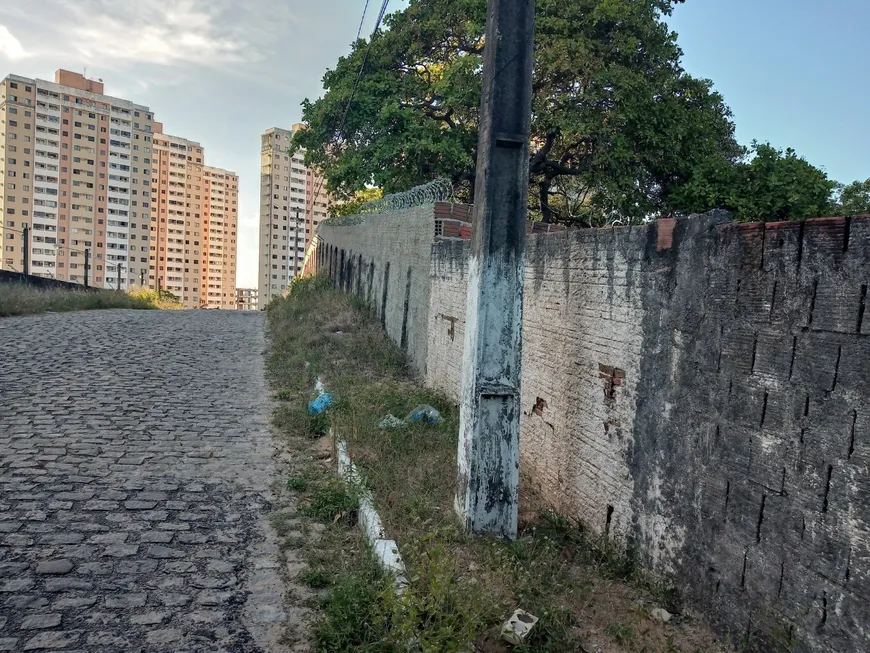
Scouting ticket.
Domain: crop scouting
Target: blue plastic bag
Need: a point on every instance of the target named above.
(425, 413)
(321, 404)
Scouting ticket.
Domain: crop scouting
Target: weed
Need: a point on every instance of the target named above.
(298, 483)
(354, 618)
(283, 524)
(317, 425)
(315, 578)
(330, 499)
(621, 633)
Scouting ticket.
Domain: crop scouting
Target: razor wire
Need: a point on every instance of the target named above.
(439, 190)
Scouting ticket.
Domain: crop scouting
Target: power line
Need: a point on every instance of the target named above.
(362, 20)
(359, 75)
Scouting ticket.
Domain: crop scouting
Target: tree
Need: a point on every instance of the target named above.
(353, 205)
(854, 198)
(767, 184)
(618, 126)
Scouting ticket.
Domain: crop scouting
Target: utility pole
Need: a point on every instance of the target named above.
(87, 265)
(25, 236)
(296, 238)
(488, 459)
(118, 267)
(142, 277)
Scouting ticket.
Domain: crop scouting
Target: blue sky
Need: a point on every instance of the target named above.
(222, 71)
(792, 71)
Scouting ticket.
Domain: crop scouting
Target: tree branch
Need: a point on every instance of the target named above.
(539, 158)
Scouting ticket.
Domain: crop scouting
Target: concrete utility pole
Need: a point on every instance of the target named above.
(118, 267)
(87, 265)
(488, 489)
(25, 237)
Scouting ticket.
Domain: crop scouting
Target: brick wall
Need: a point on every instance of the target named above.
(697, 390)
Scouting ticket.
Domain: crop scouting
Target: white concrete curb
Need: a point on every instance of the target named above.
(385, 550)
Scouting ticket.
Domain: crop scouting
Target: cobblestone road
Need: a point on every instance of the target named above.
(135, 473)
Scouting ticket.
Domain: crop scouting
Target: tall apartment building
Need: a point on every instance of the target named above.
(293, 201)
(193, 226)
(84, 170)
(75, 165)
(176, 221)
(219, 225)
(246, 299)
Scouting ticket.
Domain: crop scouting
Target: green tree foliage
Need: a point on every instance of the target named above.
(854, 198)
(352, 206)
(767, 184)
(618, 126)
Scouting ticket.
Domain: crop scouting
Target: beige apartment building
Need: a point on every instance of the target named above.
(75, 165)
(246, 299)
(293, 202)
(176, 221)
(193, 225)
(219, 224)
(82, 170)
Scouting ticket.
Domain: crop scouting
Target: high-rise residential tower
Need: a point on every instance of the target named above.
(75, 165)
(176, 221)
(82, 170)
(219, 224)
(293, 201)
(193, 225)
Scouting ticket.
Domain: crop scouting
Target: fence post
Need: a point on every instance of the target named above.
(25, 235)
(87, 265)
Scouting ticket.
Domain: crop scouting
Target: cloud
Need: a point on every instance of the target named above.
(10, 46)
(154, 32)
(211, 33)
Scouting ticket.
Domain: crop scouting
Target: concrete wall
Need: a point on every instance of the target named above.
(384, 259)
(41, 282)
(697, 390)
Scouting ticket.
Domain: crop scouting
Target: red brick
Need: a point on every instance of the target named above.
(665, 229)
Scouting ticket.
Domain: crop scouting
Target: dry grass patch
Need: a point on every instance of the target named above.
(23, 299)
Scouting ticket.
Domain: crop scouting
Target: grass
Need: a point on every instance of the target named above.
(588, 595)
(23, 299)
(164, 300)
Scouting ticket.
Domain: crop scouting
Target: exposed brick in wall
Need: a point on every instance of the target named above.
(452, 221)
(699, 389)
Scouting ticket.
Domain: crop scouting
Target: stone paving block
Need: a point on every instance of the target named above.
(126, 600)
(52, 640)
(66, 583)
(130, 510)
(41, 621)
(148, 619)
(54, 567)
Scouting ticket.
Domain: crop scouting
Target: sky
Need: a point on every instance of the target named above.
(221, 72)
